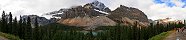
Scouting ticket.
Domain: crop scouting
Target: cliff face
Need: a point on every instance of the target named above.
(129, 12)
(123, 13)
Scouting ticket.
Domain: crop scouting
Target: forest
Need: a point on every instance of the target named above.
(23, 29)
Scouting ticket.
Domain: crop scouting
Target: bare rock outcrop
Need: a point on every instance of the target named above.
(131, 14)
(88, 22)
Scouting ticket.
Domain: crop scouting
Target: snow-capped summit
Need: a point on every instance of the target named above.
(94, 8)
(98, 5)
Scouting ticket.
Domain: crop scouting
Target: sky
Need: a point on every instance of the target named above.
(154, 9)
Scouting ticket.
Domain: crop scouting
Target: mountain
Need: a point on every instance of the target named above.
(98, 6)
(123, 13)
(41, 20)
(88, 22)
(96, 14)
(90, 9)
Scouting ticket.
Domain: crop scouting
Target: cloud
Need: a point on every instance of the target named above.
(183, 1)
(163, 10)
(171, 3)
(37, 7)
(154, 9)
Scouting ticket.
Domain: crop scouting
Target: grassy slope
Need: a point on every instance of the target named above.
(161, 36)
(9, 36)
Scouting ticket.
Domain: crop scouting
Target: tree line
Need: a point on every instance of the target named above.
(23, 29)
(117, 32)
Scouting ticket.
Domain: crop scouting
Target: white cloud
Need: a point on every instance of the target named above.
(158, 11)
(38, 7)
(178, 3)
(153, 11)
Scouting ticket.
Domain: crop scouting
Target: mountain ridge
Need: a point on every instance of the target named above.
(123, 14)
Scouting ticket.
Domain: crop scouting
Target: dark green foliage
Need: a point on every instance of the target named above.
(10, 23)
(4, 22)
(184, 22)
(15, 28)
(56, 31)
(107, 33)
(21, 28)
(28, 30)
(37, 31)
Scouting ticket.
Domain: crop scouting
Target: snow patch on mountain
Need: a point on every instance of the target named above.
(101, 11)
(98, 5)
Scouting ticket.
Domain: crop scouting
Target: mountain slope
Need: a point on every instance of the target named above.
(133, 14)
(87, 14)
(88, 22)
(129, 12)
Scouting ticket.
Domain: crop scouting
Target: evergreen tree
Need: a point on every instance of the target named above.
(10, 23)
(15, 27)
(0, 25)
(37, 31)
(21, 30)
(184, 22)
(28, 30)
(3, 22)
(24, 29)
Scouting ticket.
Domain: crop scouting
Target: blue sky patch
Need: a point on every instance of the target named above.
(184, 1)
(169, 3)
(158, 1)
(184, 6)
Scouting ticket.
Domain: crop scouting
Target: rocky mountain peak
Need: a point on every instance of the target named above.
(131, 13)
(97, 5)
(123, 14)
(92, 9)
(41, 20)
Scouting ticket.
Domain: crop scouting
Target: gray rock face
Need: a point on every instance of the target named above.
(41, 20)
(97, 5)
(91, 9)
(122, 14)
(129, 12)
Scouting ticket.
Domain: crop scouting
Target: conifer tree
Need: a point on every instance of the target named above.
(24, 29)
(0, 25)
(10, 23)
(21, 30)
(28, 30)
(184, 22)
(37, 31)
(15, 27)
(4, 23)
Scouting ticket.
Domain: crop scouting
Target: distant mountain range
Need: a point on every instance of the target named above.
(41, 20)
